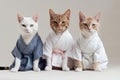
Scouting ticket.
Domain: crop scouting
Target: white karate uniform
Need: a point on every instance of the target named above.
(62, 42)
(90, 50)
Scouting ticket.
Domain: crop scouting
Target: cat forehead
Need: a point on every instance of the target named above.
(27, 20)
(59, 17)
(90, 20)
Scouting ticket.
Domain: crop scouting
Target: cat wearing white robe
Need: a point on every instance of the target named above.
(59, 42)
(89, 45)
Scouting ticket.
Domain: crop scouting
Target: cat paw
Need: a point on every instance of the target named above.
(78, 69)
(48, 68)
(65, 69)
(37, 70)
(14, 70)
(97, 69)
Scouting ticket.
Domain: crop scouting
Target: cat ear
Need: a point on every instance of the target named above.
(35, 17)
(97, 17)
(81, 16)
(20, 17)
(67, 13)
(51, 12)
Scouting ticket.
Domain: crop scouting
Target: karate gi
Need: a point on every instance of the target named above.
(28, 53)
(63, 42)
(89, 51)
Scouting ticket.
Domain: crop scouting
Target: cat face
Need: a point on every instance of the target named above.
(28, 25)
(89, 25)
(59, 22)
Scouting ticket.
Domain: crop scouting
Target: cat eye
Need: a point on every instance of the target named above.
(54, 22)
(23, 25)
(63, 22)
(93, 24)
(31, 25)
(85, 24)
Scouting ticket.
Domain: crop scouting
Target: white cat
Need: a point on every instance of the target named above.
(28, 28)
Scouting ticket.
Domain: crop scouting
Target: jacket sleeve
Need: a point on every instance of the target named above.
(100, 54)
(47, 47)
(38, 51)
(76, 54)
(16, 52)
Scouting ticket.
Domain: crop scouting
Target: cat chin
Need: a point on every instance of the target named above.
(59, 31)
(27, 33)
(88, 32)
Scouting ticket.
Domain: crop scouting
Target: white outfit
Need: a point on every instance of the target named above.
(62, 42)
(90, 50)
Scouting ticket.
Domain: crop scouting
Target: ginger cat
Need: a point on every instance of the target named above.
(89, 44)
(59, 42)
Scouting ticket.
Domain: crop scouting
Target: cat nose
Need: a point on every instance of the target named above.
(59, 24)
(88, 28)
(27, 31)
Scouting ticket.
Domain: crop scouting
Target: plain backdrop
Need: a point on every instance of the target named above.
(109, 29)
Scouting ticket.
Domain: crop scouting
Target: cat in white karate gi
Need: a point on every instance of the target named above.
(89, 44)
(59, 42)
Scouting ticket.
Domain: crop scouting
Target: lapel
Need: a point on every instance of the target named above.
(58, 40)
(28, 47)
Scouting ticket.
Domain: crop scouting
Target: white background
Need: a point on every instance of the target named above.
(109, 29)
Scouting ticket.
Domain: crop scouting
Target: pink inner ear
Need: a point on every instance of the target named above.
(51, 12)
(97, 17)
(35, 18)
(81, 16)
(67, 13)
(20, 17)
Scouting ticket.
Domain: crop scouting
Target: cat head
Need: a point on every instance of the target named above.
(28, 25)
(59, 22)
(89, 25)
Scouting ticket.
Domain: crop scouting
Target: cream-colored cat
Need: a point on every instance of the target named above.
(89, 44)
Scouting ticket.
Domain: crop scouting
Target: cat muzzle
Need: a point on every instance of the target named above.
(27, 31)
